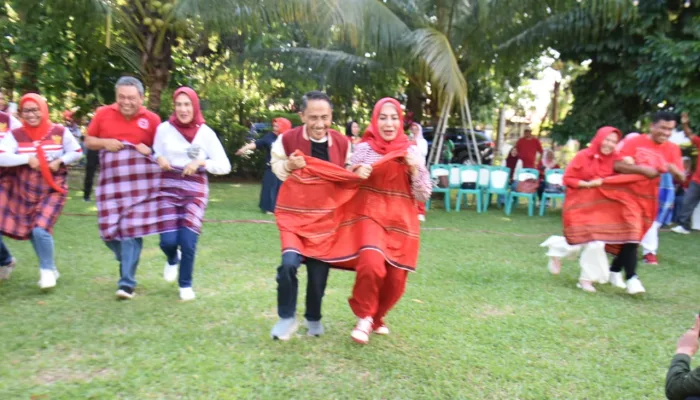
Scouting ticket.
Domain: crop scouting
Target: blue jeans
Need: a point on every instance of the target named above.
(187, 241)
(43, 246)
(5, 256)
(288, 286)
(128, 253)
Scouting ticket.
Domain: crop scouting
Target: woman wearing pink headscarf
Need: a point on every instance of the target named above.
(186, 149)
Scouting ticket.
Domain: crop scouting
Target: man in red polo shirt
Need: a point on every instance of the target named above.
(125, 121)
(691, 198)
(528, 147)
(653, 155)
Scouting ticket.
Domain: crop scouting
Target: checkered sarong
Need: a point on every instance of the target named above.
(183, 201)
(28, 202)
(127, 194)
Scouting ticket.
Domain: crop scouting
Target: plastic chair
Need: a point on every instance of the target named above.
(499, 178)
(514, 196)
(469, 174)
(552, 177)
(436, 171)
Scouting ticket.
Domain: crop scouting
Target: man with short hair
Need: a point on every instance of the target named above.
(691, 197)
(125, 121)
(653, 155)
(681, 382)
(528, 148)
(314, 138)
(7, 262)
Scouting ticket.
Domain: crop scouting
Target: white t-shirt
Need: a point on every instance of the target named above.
(12, 154)
(170, 143)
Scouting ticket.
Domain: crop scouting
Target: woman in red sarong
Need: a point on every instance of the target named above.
(379, 284)
(586, 171)
(33, 195)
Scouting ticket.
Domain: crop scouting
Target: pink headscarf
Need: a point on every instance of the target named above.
(190, 129)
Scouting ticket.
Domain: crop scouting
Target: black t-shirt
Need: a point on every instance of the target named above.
(320, 150)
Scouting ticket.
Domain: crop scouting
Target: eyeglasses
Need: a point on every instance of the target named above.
(34, 111)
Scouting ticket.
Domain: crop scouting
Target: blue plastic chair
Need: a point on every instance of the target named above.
(552, 177)
(499, 183)
(469, 174)
(436, 171)
(514, 196)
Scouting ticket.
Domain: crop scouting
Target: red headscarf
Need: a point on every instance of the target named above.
(374, 139)
(591, 163)
(283, 125)
(37, 133)
(190, 129)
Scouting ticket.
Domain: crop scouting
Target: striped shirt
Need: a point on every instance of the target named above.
(421, 185)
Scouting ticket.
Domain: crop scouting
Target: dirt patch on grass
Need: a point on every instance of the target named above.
(51, 376)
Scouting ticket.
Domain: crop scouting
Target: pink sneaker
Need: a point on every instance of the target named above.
(362, 330)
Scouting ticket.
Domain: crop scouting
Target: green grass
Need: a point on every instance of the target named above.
(481, 319)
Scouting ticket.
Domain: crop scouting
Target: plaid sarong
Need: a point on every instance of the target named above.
(667, 198)
(182, 201)
(29, 202)
(127, 194)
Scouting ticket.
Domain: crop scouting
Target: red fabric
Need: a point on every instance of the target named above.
(511, 163)
(590, 164)
(620, 211)
(189, 130)
(375, 140)
(328, 213)
(39, 133)
(420, 206)
(294, 140)
(283, 125)
(528, 149)
(378, 287)
(109, 123)
(648, 153)
(29, 202)
(696, 175)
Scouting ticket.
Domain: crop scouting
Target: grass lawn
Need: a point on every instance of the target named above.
(481, 319)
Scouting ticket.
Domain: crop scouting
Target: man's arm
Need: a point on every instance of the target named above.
(685, 122)
(278, 160)
(622, 167)
(680, 381)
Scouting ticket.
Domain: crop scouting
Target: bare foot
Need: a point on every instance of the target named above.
(587, 286)
(554, 265)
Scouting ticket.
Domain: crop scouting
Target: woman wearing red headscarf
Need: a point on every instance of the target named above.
(379, 284)
(34, 193)
(270, 184)
(586, 171)
(186, 149)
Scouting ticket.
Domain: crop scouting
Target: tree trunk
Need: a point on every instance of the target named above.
(501, 132)
(555, 102)
(157, 65)
(8, 79)
(415, 100)
(30, 79)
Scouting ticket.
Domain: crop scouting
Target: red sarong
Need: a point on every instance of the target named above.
(330, 214)
(620, 211)
(28, 201)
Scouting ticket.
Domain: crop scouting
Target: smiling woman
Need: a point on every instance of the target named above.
(33, 194)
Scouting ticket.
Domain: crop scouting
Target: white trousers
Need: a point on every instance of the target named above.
(594, 263)
(650, 241)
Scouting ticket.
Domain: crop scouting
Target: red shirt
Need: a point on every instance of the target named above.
(528, 149)
(696, 175)
(109, 123)
(646, 152)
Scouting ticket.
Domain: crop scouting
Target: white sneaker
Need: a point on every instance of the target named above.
(421, 217)
(362, 330)
(186, 294)
(170, 271)
(617, 281)
(47, 278)
(6, 270)
(634, 286)
(382, 330)
(680, 229)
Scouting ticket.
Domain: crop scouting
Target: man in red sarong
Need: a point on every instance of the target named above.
(653, 155)
(121, 127)
(313, 139)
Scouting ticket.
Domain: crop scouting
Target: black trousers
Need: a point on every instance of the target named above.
(627, 259)
(288, 286)
(93, 160)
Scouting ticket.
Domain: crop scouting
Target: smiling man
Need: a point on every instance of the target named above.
(316, 139)
(125, 122)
